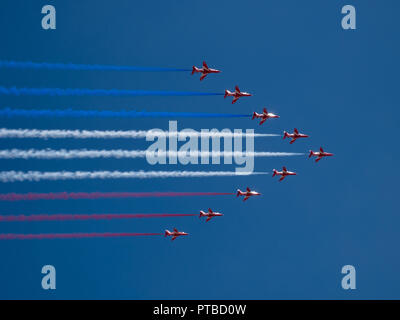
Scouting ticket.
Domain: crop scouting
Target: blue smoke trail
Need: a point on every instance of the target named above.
(96, 92)
(8, 112)
(71, 66)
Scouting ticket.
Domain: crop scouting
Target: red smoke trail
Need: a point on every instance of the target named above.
(100, 195)
(65, 217)
(15, 236)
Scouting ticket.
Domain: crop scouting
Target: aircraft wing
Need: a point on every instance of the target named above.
(293, 140)
(319, 158)
(234, 100)
(205, 65)
(262, 121)
(237, 89)
(208, 218)
(203, 76)
(296, 131)
(173, 238)
(245, 198)
(248, 189)
(283, 177)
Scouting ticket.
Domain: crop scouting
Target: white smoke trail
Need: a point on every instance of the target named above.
(18, 176)
(118, 153)
(113, 134)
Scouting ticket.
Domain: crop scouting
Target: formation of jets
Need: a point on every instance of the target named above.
(211, 214)
(264, 116)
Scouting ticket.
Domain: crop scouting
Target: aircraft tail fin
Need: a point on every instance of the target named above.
(238, 193)
(193, 69)
(311, 152)
(285, 134)
(167, 233)
(202, 214)
(274, 174)
(254, 115)
(226, 93)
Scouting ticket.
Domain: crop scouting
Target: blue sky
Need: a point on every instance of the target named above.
(338, 86)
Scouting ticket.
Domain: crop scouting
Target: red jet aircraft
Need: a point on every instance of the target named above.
(175, 233)
(295, 135)
(236, 95)
(247, 194)
(264, 116)
(209, 214)
(205, 70)
(283, 173)
(319, 154)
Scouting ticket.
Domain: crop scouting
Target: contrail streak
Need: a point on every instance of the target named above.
(59, 92)
(113, 134)
(68, 217)
(70, 113)
(16, 236)
(101, 195)
(72, 66)
(132, 154)
(18, 176)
